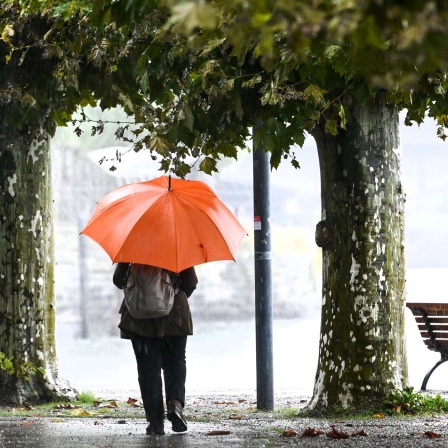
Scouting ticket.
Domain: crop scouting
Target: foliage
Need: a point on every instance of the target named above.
(203, 73)
(24, 370)
(6, 364)
(405, 402)
(48, 70)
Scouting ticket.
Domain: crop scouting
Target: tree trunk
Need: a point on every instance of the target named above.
(27, 308)
(361, 350)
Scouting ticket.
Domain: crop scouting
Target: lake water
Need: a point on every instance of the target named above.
(221, 357)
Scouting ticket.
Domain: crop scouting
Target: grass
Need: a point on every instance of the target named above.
(287, 413)
(87, 397)
(87, 405)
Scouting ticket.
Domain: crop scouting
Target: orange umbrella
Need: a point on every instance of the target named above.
(169, 223)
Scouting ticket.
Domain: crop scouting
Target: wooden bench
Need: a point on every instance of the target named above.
(432, 321)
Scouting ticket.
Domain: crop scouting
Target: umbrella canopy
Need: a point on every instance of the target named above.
(169, 223)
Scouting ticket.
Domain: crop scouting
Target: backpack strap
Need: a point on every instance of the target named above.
(175, 280)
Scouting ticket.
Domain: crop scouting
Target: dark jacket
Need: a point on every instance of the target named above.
(177, 323)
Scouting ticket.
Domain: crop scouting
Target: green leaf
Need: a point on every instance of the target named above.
(259, 19)
(211, 45)
(61, 117)
(28, 100)
(270, 96)
(252, 82)
(315, 92)
(331, 127)
(160, 145)
(188, 16)
(188, 117)
(276, 157)
(8, 33)
(342, 116)
(208, 165)
(183, 169)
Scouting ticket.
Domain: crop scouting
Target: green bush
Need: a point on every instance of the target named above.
(408, 402)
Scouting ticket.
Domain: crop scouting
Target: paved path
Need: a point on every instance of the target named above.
(254, 433)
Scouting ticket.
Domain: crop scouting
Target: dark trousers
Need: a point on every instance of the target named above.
(154, 355)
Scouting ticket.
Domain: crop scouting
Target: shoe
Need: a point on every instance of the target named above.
(176, 416)
(156, 429)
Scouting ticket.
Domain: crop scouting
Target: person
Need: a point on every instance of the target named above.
(160, 345)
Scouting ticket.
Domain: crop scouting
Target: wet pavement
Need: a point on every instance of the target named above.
(214, 422)
(52, 433)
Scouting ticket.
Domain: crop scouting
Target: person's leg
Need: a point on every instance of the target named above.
(174, 367)
(148, 353)
(175, 372)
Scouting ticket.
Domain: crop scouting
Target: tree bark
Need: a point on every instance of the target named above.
(361, 350)
(27, 308)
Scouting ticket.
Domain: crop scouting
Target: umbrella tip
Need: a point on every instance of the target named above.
(169, 182)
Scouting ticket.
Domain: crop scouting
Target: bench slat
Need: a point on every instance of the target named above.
(436, 334)
(432, 309)
(422, 327)
(435, 319)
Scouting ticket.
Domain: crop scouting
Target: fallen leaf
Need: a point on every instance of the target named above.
(66, 406)
(312, 432)
(336, 434)
(303, 401)
(57, 420)
(234, 416)
(26, 423)
(223, 402)
(241, 400)
(107, 406)
(288, 432)
(82, 412)
(361, 432)
(218, 432)
(432, 435)
(379, 415)
(131, 401)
